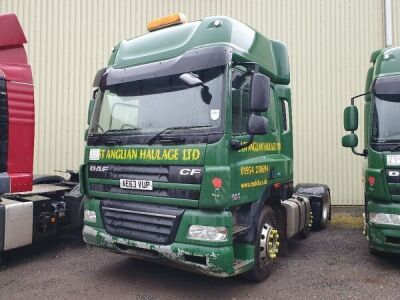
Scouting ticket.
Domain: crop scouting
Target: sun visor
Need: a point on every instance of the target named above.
(190, 61)
(388, 87)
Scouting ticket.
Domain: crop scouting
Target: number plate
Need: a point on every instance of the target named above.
(393, 160)
(134, 184)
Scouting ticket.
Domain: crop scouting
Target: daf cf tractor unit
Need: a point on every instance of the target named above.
(381, 149)
(31, 207)
(189, 156)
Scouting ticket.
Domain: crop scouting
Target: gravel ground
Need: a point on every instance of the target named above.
(330, 264)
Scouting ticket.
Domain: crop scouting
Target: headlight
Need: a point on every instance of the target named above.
(207, 233)
(387, 219)
(89, 215)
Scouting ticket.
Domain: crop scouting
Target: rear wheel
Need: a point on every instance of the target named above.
(266, 246)
(321, 221)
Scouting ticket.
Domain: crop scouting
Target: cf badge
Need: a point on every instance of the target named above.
(190, 172)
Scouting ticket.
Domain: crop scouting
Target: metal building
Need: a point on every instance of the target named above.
(330, 43)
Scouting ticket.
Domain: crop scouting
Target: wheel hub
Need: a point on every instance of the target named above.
(269, 243)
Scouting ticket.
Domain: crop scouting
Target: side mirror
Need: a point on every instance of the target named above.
(350, 118)
(350, 140)
(259, 92)
(90, 110)
(257, 125)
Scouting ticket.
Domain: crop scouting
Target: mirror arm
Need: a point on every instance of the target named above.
(353, 98)
(364, 153)
(248, 63)
(94, 93)
(236, 145)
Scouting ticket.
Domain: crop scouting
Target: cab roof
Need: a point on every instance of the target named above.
(246, 44)
(386, 61)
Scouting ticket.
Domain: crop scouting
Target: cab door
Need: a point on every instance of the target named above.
(251, 167)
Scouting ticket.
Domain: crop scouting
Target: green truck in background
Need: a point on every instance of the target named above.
(189, 156)
(381, 149)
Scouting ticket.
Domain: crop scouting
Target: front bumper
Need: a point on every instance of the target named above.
(213, 261)
(382, 237)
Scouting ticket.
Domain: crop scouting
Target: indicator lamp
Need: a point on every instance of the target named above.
(217, 182)
(167, 21)
(371, 180)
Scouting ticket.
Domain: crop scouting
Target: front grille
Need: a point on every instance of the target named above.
(168, 193)
(393, 176)
(159, 174)
(394, 190)
(393, 179)
(393, 240)
(141, 221)
(171, 174)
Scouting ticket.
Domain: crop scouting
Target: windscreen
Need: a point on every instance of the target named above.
(154, 104)
(386, 124)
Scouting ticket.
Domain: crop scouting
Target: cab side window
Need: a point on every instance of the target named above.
(285, 115)
(240, 101)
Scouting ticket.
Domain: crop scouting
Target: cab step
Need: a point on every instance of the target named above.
(240, 266)
(239, 229)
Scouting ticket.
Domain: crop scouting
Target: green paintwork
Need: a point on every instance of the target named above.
(220, 254)
(237, 169)
(386, 62)
(248, 45)
(351, 118)
(350, 140)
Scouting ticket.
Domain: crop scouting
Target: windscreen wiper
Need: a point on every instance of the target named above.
(101, 135)
(395, 147)
(171, 129)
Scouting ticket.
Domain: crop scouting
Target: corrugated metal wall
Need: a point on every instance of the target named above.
(330, 43)
(396, 21)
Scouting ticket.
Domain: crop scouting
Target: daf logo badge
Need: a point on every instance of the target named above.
(394, 173)
(98, 168)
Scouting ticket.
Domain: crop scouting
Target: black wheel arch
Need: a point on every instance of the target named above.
(47, 179)
(249, 214)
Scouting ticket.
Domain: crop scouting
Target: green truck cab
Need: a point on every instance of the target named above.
(189, 156)
(381, 149)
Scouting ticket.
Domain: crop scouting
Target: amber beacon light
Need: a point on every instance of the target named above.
(167, 21)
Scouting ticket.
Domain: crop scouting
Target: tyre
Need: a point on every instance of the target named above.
(266, 246)
(321, 219)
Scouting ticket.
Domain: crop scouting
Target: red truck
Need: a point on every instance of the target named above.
(31, 207)
(17, 115)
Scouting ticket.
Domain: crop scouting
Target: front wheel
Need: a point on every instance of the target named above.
(266, 246)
